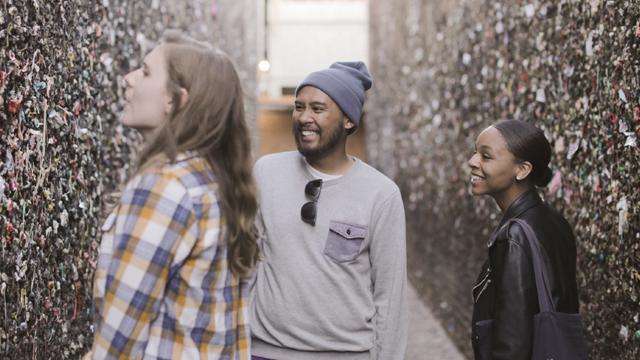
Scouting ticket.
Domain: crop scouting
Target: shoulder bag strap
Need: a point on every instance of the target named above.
(542, 280)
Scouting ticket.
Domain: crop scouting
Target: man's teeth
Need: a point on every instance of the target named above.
(309, 133)
(475, 178)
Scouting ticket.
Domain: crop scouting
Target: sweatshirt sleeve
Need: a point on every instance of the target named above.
(259, 222)
(389, 276)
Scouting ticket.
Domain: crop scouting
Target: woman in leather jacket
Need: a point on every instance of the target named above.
(511, 158)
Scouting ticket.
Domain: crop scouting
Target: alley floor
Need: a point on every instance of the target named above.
(428, 340)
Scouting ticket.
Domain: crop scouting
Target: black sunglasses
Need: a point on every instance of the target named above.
(309, 210)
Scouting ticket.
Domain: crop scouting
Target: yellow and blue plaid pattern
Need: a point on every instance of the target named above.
(163, 287)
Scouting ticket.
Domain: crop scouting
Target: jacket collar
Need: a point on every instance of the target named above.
(526, 201)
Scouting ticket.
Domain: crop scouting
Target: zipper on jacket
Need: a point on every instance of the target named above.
(484, 283)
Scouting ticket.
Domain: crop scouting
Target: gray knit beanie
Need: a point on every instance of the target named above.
(345, 83)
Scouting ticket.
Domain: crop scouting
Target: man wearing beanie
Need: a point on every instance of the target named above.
(333, 237)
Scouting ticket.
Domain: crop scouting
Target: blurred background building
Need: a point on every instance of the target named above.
(296, 38)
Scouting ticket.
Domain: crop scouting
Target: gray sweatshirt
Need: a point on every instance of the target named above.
(316, 295)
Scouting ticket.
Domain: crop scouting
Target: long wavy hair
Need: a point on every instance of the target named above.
(211, 123)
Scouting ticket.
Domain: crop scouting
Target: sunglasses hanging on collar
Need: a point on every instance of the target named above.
(309, 211)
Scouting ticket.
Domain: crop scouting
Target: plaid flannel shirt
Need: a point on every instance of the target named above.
(163, 288)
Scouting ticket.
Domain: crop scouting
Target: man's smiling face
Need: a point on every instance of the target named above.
(319, 125)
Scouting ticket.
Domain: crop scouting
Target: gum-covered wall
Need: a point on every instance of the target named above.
(62, 147)
(443, 71)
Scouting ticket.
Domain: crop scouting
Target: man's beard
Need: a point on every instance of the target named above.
(324, 146)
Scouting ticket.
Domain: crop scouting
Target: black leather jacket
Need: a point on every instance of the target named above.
(506, 288)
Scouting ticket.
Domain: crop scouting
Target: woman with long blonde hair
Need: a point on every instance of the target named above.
(179, 246)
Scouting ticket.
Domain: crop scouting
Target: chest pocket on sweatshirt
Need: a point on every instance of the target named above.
(344, 240)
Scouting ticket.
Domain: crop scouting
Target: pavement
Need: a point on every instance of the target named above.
(428, 340)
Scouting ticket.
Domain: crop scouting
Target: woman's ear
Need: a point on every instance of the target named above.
(523, 170)
(184, 96)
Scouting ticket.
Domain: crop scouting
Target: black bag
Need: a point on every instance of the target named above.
(556, 336)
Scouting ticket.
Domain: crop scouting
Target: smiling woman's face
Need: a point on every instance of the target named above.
(493, 166)
(148, 102)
